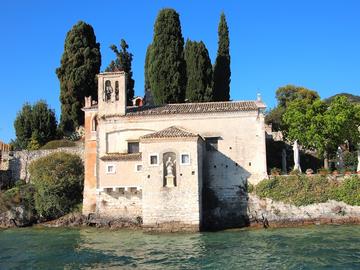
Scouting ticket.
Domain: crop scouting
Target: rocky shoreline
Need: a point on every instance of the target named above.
(265, 213)
(261, 213)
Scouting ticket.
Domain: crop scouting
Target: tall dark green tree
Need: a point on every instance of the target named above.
(222, 71)
(199, 72)
(167, 74)
(34, 125)
(80, 63)
(146, 69)
(123, 62)
(22, 125)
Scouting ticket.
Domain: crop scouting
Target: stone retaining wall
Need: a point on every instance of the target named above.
(268, 213)
(125, 205)
(19, 161)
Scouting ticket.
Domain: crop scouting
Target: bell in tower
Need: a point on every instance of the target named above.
(112, 89)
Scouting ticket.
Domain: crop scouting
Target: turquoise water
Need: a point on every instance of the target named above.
(318, 247)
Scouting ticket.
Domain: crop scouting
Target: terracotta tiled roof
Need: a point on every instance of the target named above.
(170, 132)
(190, 108)
(121, 157)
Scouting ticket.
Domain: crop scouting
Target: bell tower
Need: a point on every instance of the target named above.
(112, 93)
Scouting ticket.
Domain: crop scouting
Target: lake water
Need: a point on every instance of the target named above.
(316, 247)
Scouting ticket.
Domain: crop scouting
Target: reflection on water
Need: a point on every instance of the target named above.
(323, 247)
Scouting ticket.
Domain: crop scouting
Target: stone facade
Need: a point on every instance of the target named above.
(215, 149)
(19, 161)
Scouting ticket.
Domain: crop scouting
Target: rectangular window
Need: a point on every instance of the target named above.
(110, 169)
(154, 159)
(133, 147)
(185, 159)
(211, 143)
(138, 167)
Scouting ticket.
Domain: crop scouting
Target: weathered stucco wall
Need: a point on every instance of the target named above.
(178, 206)
(241, 136)
(20, 160)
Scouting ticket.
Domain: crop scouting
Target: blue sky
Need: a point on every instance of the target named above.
(312, 43)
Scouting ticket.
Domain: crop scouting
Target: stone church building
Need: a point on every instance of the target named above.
(176, 166)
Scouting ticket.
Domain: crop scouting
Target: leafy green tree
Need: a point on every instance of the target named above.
(199, 72)
(123, 62)
(58, 179)
(222, 71)
(288, 93)
(35, 125)
(80, 63)
(166, 70)
(320, 126)
(284, 96)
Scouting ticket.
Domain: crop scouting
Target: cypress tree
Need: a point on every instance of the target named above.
(146, 69)
(167, 74)
(123, 62)
(222, 71)
(199, 72)
(80, 63)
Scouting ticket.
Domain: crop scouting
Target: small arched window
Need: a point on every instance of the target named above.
(94, 124)
(116, 90)
(107, 91)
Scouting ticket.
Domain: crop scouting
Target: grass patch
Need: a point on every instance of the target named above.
(302, 190)
(58, 143)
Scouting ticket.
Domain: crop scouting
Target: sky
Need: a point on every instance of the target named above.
(310, 43)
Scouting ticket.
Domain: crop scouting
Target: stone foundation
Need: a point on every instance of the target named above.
(113, 205)
(173, 226)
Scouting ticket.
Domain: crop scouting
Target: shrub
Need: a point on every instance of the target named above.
(58, 179)
(275, 171)
(22, 194)
(349, 191)
(295, 172)
(250, 188)
(296, 189)
(58, 143)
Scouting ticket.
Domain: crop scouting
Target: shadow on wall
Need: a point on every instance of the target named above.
(225, 196)
(274, 157)
(15, 168)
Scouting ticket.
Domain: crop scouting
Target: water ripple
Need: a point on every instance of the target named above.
(317, 247)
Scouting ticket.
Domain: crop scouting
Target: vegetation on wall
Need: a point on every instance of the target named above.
(123, 63)
(20, 195)
(58, 143)
(58, 180)
(222, 71)
(199, 72)
(80, 63)
(34, 126)
(304, 190)
(166, 66)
